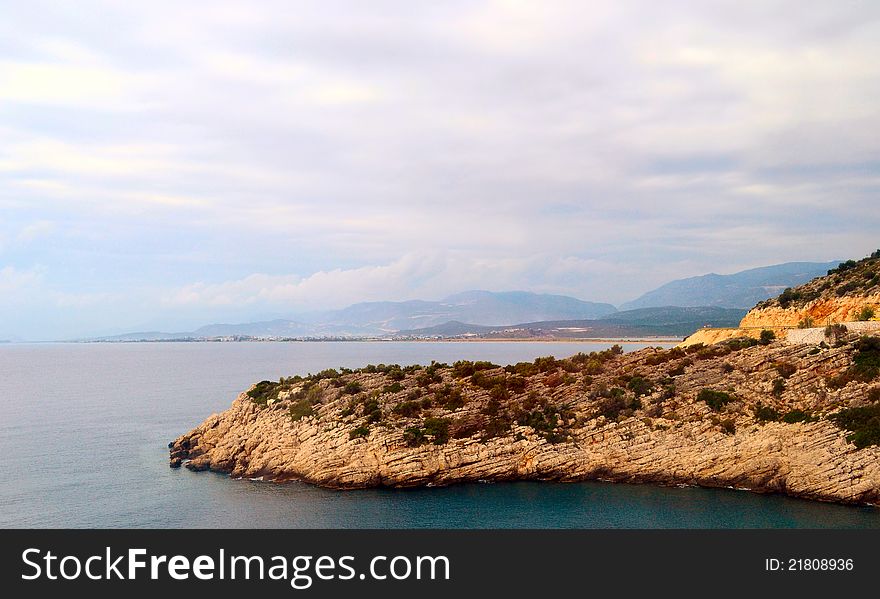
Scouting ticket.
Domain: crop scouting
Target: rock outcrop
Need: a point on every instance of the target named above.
(737, 414)
(849, 293)
(820, 312)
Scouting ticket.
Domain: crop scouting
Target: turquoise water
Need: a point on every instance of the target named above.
(84, 430)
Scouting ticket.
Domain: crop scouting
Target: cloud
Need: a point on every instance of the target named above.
(36, 230)
(414, 276)
(265, 156)
(15, 283)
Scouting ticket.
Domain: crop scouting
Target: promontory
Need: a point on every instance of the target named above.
(786, 406)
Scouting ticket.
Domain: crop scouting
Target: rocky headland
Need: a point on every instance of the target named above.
(765, 415)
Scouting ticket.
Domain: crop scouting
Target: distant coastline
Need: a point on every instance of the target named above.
(395, 340)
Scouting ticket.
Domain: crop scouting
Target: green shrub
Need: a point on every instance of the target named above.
(465, 368)
(372, 410)
(843, 267)
(543, 419)
(516, 384)
(329, 373)
(523, 369)
(866, 313)
(427, 377)
(496, 426)
(765, 413)
(349, 409)
(788, 296)
(352, 388)
(728, 425)
(847, 288)
(738, 343)
(438, 429)
(449, 397)
(300, 409)
(678, 370)
(836, 332)
(414, 436)
(797, 416)
(806, 322)
(611, 407)
(360, 432)
(778, 386)
(392, 388)
(863, 424)
(546, 363)
(263, 391)
(498, 392)
(767, 337)
(408, 409)
(484, 381)
(866, 362)
(492, 408)
(715, 399)
(640, 386)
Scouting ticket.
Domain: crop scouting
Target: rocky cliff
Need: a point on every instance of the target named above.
(848, 293)
(803, 420)
(820, 311)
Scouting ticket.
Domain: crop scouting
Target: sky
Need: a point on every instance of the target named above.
(165, 165)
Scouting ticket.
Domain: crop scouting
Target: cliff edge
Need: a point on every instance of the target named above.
(848, 293)
(803, 420)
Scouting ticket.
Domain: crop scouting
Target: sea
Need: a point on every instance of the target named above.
(84, 430)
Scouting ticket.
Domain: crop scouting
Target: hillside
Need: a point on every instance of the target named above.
(803, 420)
(382, 318)
(646, 322)
(848, 292)
(739, 290)
(477, 307)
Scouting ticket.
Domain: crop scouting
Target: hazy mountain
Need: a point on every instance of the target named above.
(739, 290)
(691, 316)
(645, 322)
(379, 318)
(476, 307)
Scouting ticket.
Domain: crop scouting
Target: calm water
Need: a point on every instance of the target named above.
(84, 432)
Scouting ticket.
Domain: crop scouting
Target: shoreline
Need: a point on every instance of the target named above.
(703, 417)
(628, 340)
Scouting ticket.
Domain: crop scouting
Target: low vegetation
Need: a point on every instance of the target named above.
(850, 278)
(863, 424)
(715, 399)
(865, 367)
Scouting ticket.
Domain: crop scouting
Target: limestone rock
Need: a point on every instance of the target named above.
(633, 417)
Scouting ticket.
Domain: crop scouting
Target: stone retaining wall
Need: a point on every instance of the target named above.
(816, 335)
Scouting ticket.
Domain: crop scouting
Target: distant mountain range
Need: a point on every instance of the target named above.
(479, 307)
(667, 321)
(739, 290)
(717, 300)
(383, 318)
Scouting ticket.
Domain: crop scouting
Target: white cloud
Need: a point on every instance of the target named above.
(387, 151)
(36, 230)
(16, 283)
(414, 276)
